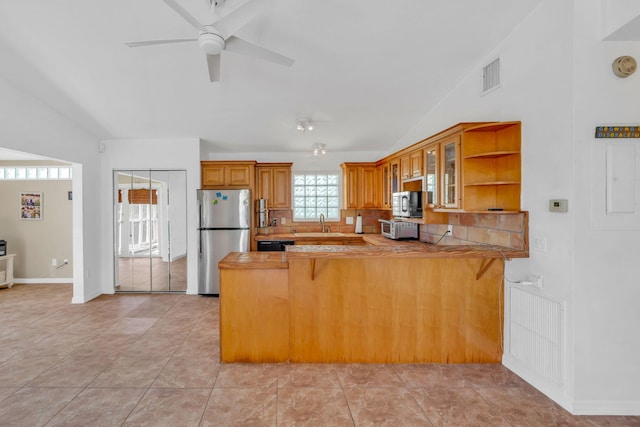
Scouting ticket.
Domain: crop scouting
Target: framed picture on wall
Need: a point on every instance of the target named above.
(31, 206)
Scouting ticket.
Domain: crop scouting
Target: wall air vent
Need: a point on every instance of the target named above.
(491, 76)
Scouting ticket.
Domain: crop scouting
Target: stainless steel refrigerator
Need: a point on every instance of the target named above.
(224, 226)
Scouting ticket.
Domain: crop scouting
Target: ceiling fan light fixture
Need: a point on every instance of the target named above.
(211, 43)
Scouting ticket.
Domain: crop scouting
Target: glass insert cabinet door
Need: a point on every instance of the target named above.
(150, 243)
(450, 173)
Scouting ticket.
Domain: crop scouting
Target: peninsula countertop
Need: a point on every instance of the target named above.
(375, 246)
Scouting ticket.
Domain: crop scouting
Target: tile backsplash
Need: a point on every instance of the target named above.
(370, 224)
(500, 229)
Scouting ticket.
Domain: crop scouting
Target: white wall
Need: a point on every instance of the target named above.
(558, 82)
(302, 161)
(29, 124)
(176, 154)
(607, 318)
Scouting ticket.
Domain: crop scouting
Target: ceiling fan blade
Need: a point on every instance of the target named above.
(154, 42)
(243, 47)
(183, 12)
(213, 62)
(239, 17)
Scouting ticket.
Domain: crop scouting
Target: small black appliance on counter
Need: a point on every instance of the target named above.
(3, 247)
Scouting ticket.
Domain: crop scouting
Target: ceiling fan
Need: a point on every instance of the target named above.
(218, 36)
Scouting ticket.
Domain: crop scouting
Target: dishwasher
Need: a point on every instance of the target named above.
(273, 245)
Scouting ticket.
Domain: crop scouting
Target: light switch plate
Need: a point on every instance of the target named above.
(349, 220)
(558, 205)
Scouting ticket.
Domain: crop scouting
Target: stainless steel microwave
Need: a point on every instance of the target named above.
(407, 204)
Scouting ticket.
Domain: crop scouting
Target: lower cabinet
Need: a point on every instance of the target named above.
(363, 310)
(254, 315)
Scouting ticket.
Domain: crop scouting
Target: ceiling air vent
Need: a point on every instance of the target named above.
(491, 76)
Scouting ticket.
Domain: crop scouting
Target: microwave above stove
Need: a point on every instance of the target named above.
(396, 230)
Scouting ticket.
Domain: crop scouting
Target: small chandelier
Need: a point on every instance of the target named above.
(319, 149)
(304, 125)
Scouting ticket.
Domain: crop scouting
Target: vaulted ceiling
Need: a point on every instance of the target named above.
(365, 71)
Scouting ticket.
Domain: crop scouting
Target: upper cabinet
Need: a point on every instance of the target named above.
(361, 185)
(227, 174)
(475, 168)
(411, 165)
(390, 180)
(491, 164)
(274, 184)
(469, 167)
(442, 180)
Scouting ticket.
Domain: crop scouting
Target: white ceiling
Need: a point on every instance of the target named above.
(366, 71)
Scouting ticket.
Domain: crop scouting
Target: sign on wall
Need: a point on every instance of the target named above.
(618, 132)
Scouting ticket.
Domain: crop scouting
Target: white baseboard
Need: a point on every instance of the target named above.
(87, 298)
(556, 392)
(52, 280)
(606, 407)
(552, 390)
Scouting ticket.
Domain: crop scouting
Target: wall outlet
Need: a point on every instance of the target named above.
(54, 262)
(540, 244)
(450, 229)
(349, 220)
(283, 220)
(536, 280)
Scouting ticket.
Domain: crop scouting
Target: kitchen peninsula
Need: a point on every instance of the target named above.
(378, 302)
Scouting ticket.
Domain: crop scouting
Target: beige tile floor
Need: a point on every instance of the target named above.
(152, 360)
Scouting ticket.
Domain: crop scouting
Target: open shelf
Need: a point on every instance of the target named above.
(491, 163)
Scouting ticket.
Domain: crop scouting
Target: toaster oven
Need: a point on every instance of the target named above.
(396, 229)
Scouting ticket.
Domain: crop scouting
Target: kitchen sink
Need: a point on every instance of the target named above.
(318, 234)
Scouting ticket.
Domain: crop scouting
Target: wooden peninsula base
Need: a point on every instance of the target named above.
(374, 309)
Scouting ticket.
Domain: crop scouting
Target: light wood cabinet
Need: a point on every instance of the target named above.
(450, 173)
(492, 167)
(385, 178)
(227, 174)
(394, 310)
(254, 315)
(411, 165)
(361, 185)
(442, 173)
(473, 167)
(274, 184)
(415, 159)
(390, 181)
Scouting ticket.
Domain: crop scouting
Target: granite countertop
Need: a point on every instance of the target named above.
(415, 250)
(375, 246)
(253, 260)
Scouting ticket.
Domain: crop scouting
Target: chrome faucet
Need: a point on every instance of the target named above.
(322, 221)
